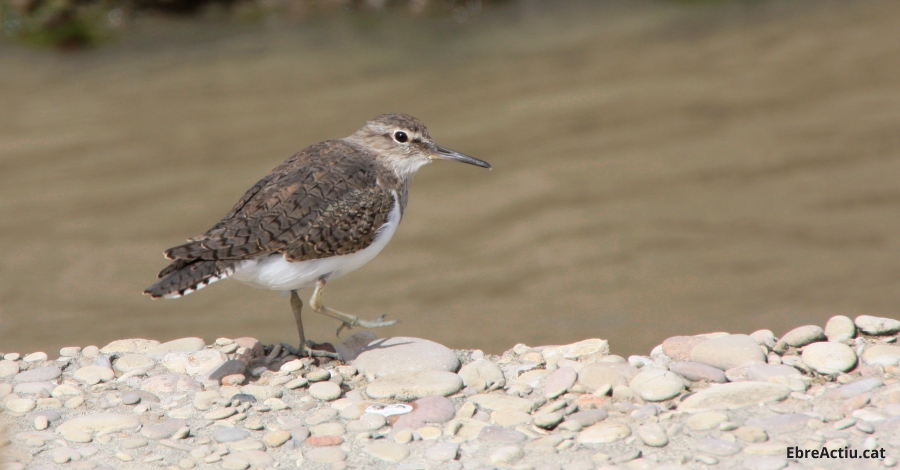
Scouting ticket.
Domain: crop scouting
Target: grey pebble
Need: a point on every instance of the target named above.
(695, 372)
(131, 399)
(243, 398)
(500, 434)
(41, 374)
(442, 452)
(230, 434)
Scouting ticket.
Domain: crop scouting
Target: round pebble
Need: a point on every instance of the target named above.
(409, 385)
(326, 391)
(230, 434)
(734, 395)
(881, 354)
(598, 375)
(442, 452)
(706, 420)
(679, 347)
(318, 375)
(326, 454)
(604, 433)
(40, 374)
(401, 354)
(877, 326)
(829, 357)
(717, 447)
(559, 382)
(506, 455)
(20, 405)
(276, 439)
(657, 384)
(653, 435)
(548, 420)
(840, 328)
(387, 451)
(183, 345)
(727, 352)
(8, 368)
(803, 335)
(35, 357)
(696, 372)
(133, 362)
(488, 373)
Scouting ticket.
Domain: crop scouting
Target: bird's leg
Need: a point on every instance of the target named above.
(305, 350)
(348, 321)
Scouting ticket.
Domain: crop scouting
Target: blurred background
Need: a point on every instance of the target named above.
(660, 168)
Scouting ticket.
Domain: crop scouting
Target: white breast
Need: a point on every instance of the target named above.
(275, 273)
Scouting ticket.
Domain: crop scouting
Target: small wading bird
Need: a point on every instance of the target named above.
(322, 213)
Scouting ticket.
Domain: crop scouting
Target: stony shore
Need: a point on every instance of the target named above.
(716, 400)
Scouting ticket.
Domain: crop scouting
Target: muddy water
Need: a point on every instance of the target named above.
(658, 170)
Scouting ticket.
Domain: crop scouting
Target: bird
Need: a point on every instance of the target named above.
(322, 213)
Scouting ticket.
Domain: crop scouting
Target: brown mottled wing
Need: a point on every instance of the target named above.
(308, 208)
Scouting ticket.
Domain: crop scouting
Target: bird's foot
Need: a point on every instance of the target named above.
(307, 351)
(353, 320)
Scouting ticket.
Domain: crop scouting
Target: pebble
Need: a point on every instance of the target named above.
(717, 447)
(657, 384)
(183, 345)
(696, 372)
(35, 357)
(733, 396)
(128, 346)
(230, 434)
(40, 374)
(326, 454)
(321, 441)
(133, 362)
(442, 452)
(261, 392)
(706, 420)
(581, 349)
(506, 455)
(653, 435)
(840, 328)
(803, 335)
(604, 433)
(482, 372)
(764, 372)
(881, 354)
(679, 347)
(318, 375)
(751, 434)
(387, 451)
(877, 326)
(326, 391)
(548, 420)
(764, 337)
(500, 434)
(559, 382)
(829, 357)
(856, 388)
(401, 354)
(93, 374)
(296, 383)
(409, 385)
(20, 405)
(367, 422)
(727, 352)
(433, 409)
(327, 429)
(80, 428)
(598, 375)
(8, 368)
(276, 438)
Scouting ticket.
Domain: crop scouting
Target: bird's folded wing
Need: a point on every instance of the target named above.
(310, 216)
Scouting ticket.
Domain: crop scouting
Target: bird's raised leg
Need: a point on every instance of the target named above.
(305, 350)
(348, 321)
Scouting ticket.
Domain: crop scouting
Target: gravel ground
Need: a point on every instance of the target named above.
(716, 400)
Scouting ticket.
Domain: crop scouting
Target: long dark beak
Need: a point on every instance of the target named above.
(447, 154)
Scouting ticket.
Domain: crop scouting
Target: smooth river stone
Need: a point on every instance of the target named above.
(410, 385)
(230, 434)
(41, 374)
(483, 370)
(185, 345)
(600, 374)
(442, 452)
(401, 354)
(588, 347)
(129, 346)
(500, 434)
(695, 372)
(77, 429)
(588, 417)
(876, 325)
(8, 368)
(132, 362)
(706, 420)
(803, 335)
(657, 384)
(727, 352)
(604, 433)
(829, 358)
(856, 388)
(840, 328)
(94, 374)
(717, 447)
(193, 363)
(679, 347)
(498, 402)
(880, 354)
(780, 424)
(732, 396)
(432, 409)
(653, 435)
(763, 372)
(559, 382)
(165, 384)
(387, 451)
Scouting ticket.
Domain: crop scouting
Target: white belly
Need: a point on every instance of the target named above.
(275, 273)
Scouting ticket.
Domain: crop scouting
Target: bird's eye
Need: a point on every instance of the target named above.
(401, 136)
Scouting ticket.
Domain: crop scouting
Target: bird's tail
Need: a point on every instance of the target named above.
(184, 276)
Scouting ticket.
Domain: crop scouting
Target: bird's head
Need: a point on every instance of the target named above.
(402, 142)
